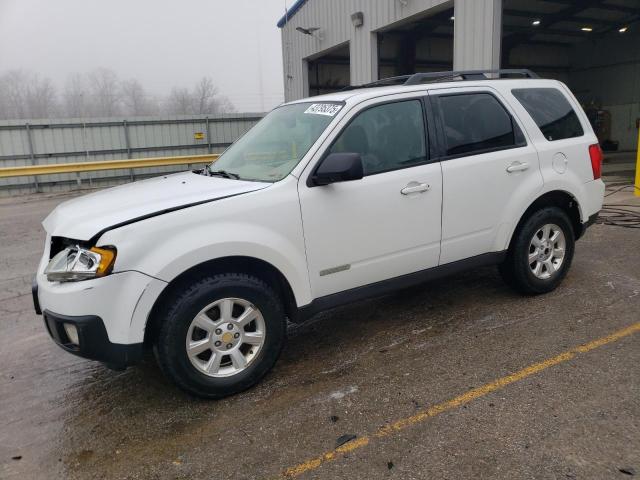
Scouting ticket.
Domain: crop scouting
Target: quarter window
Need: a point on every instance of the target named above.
(551, 111)
(476, 123)
(388, 137)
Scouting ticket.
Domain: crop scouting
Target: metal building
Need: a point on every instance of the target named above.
(589, 44)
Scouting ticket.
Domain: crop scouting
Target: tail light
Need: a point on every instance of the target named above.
(595, 152)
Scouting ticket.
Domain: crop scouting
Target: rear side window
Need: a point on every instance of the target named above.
(551, 111)
(476, 123)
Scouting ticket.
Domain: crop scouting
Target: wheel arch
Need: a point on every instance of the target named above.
(554, 198)
(231, 264)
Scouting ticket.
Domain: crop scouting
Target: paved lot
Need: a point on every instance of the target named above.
(424, 358)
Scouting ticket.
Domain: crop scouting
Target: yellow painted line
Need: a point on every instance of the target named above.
(104, 165)
(399, 425)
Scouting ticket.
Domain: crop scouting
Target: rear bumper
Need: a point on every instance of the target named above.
(583, 227)
(93, 342)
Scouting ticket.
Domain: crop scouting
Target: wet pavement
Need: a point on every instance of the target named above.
(346, 372)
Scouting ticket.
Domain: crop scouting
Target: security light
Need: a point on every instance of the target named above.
(623, 29)
(535, 23)
(307, 31)
(586, 29)
(452, 18)
(357, 19)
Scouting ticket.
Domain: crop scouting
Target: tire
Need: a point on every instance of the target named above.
(179, 327)
(521, 275)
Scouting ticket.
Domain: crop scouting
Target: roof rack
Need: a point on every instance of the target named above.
(461, 75)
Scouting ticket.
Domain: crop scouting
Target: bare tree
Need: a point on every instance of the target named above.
(13, 94)
(41, 98)
(203, 99)
(180, 101)
(26, 95)
(204, 96)
(75, 98)
(100, 93)
(135, 100)
(224, 105)
(105, 92)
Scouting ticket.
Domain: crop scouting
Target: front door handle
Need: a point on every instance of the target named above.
(414, 187)
(517, 167)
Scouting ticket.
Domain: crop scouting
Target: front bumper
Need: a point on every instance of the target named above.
(122, 300)
(93, 342)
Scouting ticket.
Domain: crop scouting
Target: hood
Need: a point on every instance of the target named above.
(84, 217)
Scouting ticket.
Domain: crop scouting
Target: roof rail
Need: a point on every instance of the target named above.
(461, 75)
(384, 82)
(418, 78)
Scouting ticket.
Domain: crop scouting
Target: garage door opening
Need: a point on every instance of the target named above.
(422, 45)
(593, 48)
(329, 72)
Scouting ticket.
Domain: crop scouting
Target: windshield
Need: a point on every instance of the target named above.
(272, 148)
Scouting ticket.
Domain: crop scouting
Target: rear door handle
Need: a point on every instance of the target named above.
(517, 167)
(414, 187)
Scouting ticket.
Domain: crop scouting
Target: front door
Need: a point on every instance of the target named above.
(386, 224)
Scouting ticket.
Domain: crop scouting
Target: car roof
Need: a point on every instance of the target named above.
(358, 95)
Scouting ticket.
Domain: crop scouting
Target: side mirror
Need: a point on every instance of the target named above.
(338, 167)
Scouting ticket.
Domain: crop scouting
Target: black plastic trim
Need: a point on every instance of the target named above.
(34, 294)
(93, 338)
(590, 221)
(386, 286)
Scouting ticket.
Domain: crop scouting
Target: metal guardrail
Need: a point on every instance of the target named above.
(77, 167)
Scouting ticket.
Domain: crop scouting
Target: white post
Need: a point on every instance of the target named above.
(363, 57)
(477, 34)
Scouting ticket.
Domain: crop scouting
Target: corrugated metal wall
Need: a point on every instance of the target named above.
(479, 46)
(65, 141)
(334, 19)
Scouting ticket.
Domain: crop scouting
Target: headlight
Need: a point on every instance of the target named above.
(76, 263)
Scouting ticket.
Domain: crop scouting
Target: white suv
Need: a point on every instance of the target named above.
(325, 201)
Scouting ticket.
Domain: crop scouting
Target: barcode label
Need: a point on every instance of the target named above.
(329, 109)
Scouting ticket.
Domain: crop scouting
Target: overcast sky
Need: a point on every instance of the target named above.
(162, 43)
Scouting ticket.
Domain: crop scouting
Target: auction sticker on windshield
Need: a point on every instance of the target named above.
(329, 109)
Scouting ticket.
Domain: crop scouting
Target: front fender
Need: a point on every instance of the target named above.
(265, 225)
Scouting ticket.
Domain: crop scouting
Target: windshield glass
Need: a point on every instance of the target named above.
(272, 148)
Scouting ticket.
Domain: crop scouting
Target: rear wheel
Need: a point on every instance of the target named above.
(221, 335)
(540, 253)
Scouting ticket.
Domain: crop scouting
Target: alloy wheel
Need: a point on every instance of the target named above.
(547, 250)
(225, 337)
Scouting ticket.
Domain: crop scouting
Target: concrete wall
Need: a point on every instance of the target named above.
(74, 140)
(607, 73)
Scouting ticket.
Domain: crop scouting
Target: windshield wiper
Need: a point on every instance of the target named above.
(220, 173)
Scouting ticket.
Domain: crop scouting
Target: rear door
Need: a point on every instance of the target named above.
(489, 170)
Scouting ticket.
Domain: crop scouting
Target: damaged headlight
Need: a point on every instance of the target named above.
(76, 263)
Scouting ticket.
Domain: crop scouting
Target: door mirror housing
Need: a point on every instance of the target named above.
(338, 167)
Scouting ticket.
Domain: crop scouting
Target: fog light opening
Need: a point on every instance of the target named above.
(72, 333)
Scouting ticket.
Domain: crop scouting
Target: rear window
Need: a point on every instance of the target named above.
(477, 123)
(551, 111)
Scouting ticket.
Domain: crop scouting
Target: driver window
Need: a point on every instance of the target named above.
(388, 137)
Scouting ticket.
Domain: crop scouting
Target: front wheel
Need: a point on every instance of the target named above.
(221, 335)
(540, 253)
